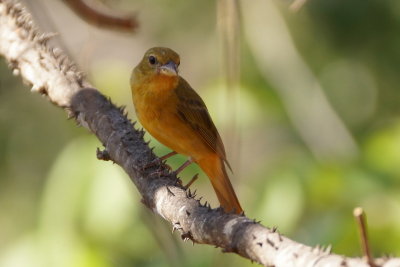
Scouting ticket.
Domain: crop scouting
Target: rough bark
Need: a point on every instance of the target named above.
(51, 74)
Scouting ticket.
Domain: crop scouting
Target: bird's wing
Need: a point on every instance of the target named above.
(192, 110)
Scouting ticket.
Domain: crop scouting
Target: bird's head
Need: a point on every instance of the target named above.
(160, 61)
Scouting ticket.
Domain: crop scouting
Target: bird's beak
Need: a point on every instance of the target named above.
(169, 69)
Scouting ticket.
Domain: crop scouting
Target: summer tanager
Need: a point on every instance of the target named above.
(172, 112)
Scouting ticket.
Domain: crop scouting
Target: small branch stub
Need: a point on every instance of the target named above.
(103, 154)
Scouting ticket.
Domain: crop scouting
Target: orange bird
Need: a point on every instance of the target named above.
(172, 112)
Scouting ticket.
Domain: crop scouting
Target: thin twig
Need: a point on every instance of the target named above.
(361, 220)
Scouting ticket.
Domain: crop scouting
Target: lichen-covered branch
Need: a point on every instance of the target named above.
(51, 74)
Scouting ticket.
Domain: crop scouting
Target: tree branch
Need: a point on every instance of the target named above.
(100, 18)
(50, 73)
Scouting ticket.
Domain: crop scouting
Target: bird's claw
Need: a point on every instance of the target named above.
(153, 163)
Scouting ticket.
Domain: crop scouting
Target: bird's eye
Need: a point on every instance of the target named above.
(152, 60)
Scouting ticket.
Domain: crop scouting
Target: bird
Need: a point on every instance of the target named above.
(173, 113)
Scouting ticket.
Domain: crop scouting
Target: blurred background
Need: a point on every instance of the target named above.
(305, 96)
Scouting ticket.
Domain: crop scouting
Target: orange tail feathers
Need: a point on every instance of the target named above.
(214, 167)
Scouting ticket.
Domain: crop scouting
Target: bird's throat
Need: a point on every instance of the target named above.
(161, 82)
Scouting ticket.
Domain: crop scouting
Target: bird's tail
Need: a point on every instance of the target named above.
(214, 167)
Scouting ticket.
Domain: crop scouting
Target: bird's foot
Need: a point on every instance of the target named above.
(153, 163)
(158, 173)
(160, 160)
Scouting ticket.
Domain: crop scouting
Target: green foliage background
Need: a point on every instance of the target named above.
(60, 206)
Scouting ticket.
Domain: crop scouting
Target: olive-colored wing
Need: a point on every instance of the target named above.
(192, 110)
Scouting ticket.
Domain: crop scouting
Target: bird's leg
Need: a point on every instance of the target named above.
(170, 154)
(159, 160)
(184, 165)
(181, 168)
(194, 178)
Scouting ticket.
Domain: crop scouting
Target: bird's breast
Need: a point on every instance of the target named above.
(153, 105)
(151, 95)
